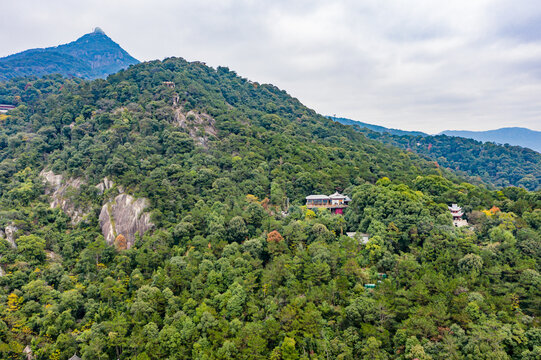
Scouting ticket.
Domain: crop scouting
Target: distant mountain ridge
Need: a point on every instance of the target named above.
(516, 136)
(92, 56)
(509, 135)
(377, 128)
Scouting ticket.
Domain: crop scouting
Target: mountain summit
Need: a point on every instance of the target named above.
(92, 56)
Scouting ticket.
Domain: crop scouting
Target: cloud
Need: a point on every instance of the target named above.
(420, 65)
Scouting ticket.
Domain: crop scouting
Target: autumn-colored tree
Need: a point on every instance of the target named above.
(274, 236)
(55, 355)
(265, 203)
(310, 214)
(493, 210)
(252, 198)
(121, 243)
(14, 302)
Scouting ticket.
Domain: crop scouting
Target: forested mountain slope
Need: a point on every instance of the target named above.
(92, 56)
(499, 165)
(222, 272)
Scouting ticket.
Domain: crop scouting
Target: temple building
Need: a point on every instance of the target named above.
(335, 202)
(456, 212)
(5, 108)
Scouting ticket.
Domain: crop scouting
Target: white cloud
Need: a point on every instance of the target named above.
(422, 64)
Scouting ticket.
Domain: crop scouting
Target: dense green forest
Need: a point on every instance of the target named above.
(229, 271)
(498, 165)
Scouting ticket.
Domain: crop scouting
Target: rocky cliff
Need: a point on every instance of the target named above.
(201, 126)
(59, 190)
(125, 216)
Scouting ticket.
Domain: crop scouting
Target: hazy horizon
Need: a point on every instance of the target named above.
(415, 66)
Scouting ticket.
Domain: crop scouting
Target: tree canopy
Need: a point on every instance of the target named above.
(230, 271)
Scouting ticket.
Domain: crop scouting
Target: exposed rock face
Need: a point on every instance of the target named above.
(59, 189)
(28, 353)
(124, 216)
(105, 184)
(52, 256)
(200, 125)
(9, 234)
(55, 181)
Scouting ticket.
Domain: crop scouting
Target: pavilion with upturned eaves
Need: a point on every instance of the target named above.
(456, 212)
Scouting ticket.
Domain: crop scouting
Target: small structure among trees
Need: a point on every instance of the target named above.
(335, 202)
(361, 237)
(5, 108)
(456, 212)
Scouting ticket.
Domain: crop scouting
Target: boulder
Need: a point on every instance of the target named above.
(9, 232)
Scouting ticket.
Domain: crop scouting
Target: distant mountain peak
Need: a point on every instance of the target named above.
(93, 55)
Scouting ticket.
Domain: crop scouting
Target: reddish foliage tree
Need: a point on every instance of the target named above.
(274, 236)
(121, 243)
(265, 203)
(494, 210)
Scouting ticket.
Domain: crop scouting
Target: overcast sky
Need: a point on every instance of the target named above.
(412, 64)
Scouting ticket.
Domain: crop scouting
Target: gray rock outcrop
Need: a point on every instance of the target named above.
(104, 185)
(58, 189)
(201, 126)
(28, 353)
(9, 234)
(124, 216)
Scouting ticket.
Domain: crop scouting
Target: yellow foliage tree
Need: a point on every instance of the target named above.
(252, 198)
(310, 214)
(55, 355)
(14, 302)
